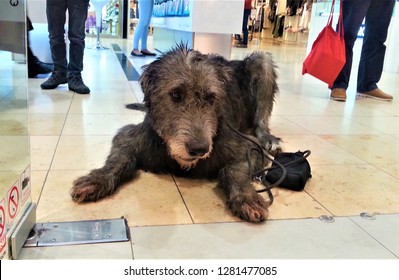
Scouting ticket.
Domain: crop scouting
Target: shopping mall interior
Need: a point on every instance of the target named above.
(349, 208)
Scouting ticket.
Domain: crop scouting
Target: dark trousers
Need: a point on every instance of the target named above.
(247, 13)
(32, 59)
(378, 14)
(56, 16)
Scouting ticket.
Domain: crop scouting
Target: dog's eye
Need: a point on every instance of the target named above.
(176, 95)
(210, 98)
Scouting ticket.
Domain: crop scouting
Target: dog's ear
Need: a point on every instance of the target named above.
(146, 80)
(225, 74)
(224, 71)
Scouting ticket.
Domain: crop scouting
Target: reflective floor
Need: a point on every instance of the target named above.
(354, 160)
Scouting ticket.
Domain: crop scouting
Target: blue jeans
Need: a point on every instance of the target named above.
(247, 13)
(378, 14)
(141, 32)
(56, 16)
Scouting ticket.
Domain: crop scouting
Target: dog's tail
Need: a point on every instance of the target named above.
(137, 106)
(261, 70)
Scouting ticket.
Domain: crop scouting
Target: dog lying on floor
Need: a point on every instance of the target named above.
(195, 103)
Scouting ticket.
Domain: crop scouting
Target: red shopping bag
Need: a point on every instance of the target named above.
(327, 56)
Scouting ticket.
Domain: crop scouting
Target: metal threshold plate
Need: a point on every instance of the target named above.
(79, 232)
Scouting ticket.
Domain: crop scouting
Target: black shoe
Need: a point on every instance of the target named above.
(241, 46)
(56, 79)
(136, 53)
(39, 68)
(147, 52)
(75, 83)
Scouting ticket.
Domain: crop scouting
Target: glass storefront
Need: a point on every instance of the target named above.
(15, 186)
(111, 19)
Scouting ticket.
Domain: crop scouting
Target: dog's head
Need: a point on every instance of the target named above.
(183, 90)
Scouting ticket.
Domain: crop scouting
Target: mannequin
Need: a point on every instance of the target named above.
(305, 19)
(98, 6)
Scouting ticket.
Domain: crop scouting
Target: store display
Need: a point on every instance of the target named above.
(171, 8)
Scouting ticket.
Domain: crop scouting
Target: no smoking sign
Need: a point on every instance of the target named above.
(13, 202)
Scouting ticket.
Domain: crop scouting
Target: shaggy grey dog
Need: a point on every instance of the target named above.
(195, 105)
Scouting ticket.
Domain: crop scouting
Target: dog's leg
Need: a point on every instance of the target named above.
(242, 198)
(119, 167)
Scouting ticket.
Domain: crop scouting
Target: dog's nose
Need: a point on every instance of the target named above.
(197, 150)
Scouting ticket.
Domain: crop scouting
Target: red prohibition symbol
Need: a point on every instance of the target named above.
(13, 201)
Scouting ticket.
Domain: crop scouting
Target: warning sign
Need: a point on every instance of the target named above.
(13, 202)
(25, 185)
(2, 229)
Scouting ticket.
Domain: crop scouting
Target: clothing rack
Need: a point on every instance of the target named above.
(256, 19)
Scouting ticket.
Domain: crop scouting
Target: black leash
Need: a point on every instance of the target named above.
(261, 174)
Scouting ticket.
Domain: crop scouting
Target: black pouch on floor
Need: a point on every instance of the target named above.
(297, 167)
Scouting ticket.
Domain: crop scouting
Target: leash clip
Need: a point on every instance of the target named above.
(259, 178)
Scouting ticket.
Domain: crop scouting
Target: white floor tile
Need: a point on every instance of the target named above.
(116, 250)
(287, 239)
(384, 228)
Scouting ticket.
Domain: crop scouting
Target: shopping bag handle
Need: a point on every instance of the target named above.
(340, 19)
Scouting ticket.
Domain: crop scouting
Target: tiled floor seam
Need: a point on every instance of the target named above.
(182, 198)
(373, 237)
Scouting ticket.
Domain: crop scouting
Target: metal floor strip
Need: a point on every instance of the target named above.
(116, 47)
(79, 232)
(130, 71)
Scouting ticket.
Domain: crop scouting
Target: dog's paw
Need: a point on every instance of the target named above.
(249, 207)
(273, 144)
(86, 188)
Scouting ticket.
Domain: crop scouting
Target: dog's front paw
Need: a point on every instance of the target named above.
(250, 207)
(88, 188)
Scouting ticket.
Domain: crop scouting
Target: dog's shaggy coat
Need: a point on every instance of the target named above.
(192, 102)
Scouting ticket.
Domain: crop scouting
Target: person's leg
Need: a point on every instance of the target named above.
(247, 13)
(77, 10)
(146, 14)
(31, 58)
(353, 13)
(35, 66)
(56, 10)
(141, 32)
(373, 49)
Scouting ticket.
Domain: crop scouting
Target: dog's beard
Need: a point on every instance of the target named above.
(178, 151)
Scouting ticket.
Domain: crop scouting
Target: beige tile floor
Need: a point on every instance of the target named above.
(354, 160)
